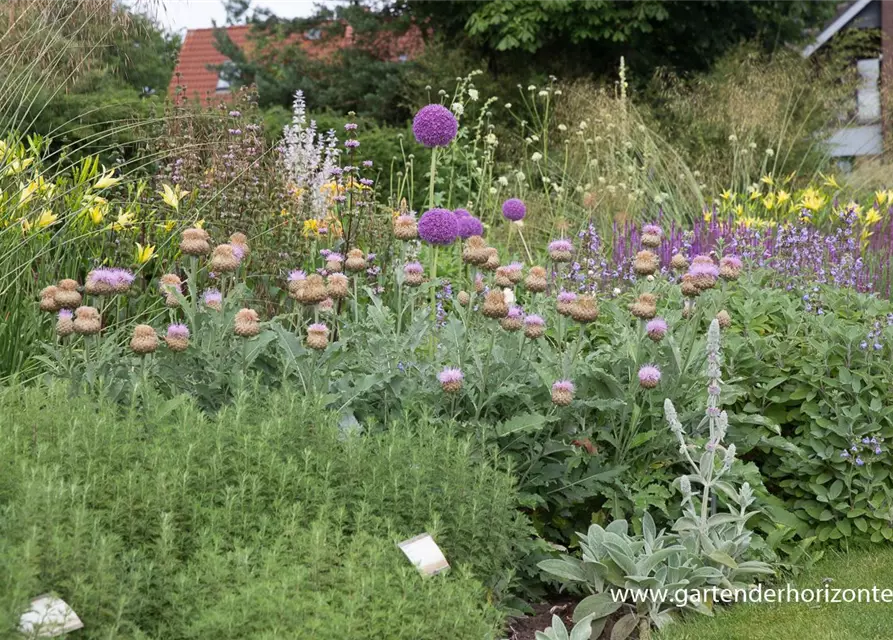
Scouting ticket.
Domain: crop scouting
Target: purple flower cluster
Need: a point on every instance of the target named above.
(468, 225)
(438, 226)
(514, 209)
(178, 330)
(435, 126)
(112, 276)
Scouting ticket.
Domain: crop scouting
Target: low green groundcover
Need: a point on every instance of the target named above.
(826, 621)
(267, 521)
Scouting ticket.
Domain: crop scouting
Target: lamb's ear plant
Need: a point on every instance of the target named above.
(705, 549)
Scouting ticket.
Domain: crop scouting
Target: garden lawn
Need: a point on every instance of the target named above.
(854, 621)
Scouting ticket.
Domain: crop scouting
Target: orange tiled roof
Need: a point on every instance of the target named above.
(199, 52)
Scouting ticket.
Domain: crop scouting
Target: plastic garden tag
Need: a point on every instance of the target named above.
(424, 553)
(49, 617)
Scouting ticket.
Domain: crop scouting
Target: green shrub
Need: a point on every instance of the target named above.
(811, 386)
(265, 522)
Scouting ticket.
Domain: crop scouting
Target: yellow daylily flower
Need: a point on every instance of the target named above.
(768, 180)
(172, 196)
(769, 201)
(200, 224)
(124, 220)
(27, 192)
(311, 226)
(106, 180)
(727, 195)
(830, 181)
(284, 213)
(739, 210)
(812, 200)
(26, 225)
(169, 225)
(144, 254)
(781, 197)
(754, 195)
(46, 218)
(16, 166)
(96, 214)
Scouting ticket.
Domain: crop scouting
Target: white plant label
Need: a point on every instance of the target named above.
(424, 553)
(49, 617)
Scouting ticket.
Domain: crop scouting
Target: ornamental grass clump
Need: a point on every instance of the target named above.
(247, 323)
(563, 392)
(536, 281)
(318, 336)
(177, 337)
(144, 340)
(451, 379)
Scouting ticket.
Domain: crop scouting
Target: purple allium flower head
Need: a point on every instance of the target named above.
(652, 229)
(438, 226)
(450, 374)
(560, 245)
(435, 126)
(296, 274)
(65, 314)
(563, 385)
(469, 226)
(514, 209)
(178, 331)
(462, 213)
(351, 144)
(649, 376)
(567, 297)
(212, 296)
(656, 328)
(534, 320)
(413, 268)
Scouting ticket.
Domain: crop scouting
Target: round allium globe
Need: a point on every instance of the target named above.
(649, 376)
(435, 126)
(438, 226)
(462, 213)
(514, 209)
(469, 226)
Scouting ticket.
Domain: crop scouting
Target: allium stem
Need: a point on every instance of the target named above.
(433, 176)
